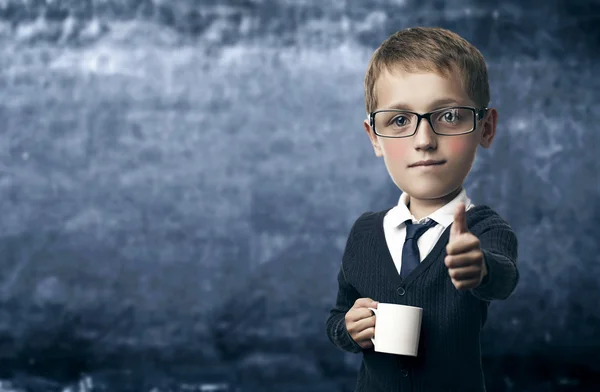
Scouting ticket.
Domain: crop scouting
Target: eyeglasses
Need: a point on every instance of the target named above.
(451, 121)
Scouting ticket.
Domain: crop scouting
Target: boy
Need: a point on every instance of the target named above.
(426, 94)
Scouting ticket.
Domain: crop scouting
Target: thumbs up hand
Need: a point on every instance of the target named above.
(464, 261)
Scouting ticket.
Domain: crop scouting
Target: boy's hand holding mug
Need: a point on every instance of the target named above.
(465, 263)
(360, 322)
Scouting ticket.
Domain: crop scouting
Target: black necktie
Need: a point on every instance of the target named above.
(410, 251)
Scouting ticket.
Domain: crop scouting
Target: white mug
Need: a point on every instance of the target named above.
(397, 329)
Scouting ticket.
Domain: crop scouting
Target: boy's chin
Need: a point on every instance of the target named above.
(429, 192)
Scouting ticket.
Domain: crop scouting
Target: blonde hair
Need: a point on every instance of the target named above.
(429, 49)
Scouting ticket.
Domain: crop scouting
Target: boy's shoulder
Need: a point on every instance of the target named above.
(367, 222)
(369, 218)
(483, 217)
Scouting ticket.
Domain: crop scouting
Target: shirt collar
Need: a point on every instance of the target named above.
(443, 215)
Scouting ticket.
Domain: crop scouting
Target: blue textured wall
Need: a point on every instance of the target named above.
(177, 180)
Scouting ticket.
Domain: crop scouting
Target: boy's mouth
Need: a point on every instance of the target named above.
(429, 162)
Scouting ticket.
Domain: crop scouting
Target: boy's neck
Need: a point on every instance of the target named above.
(421, 208)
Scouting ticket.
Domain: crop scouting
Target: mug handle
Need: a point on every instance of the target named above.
(375, 313)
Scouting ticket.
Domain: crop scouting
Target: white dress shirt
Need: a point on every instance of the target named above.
(395, 228)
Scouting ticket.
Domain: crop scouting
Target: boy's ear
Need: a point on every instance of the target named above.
(489, 128)
(373, 138)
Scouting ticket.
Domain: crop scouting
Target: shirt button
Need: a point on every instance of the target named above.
(404, 373)
(400, 291)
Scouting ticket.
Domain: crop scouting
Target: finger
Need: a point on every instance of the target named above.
(365, 323)
(473, 257)
(356, 314)
(365, 303)
(462, 243)
(365, 334)
(459, 225)
(465, 284)
(465, 273)
(366, 344)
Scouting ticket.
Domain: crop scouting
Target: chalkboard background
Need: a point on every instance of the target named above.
(177, 180)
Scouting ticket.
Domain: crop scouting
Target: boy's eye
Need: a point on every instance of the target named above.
(400, 121)
(450, 116)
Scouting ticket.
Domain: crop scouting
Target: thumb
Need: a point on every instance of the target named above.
(459, 226)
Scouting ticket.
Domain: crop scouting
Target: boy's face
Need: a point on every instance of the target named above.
(421, 93)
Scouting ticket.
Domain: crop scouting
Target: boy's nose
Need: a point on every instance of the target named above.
(425, 138)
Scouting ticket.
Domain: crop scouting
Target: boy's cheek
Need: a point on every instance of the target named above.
(461, 149)
(394, 150)
(458, 146)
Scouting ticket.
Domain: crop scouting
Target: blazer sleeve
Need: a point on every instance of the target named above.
(499, 246)
(346, 296)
